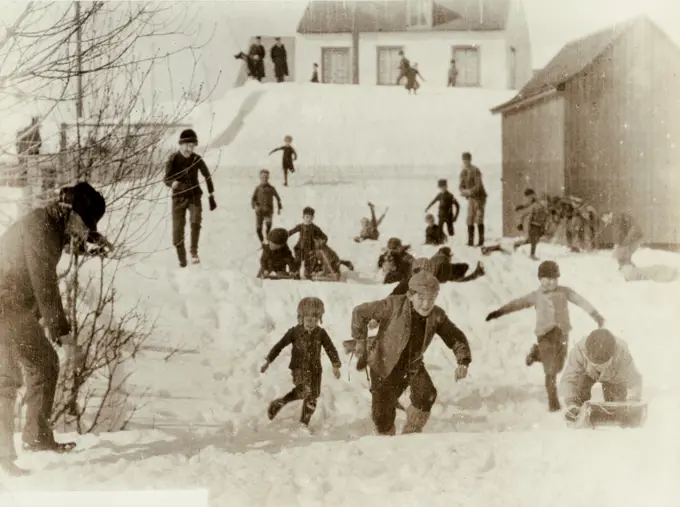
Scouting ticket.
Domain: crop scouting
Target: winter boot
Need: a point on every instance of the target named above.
(551, 389)
(9, 469)
(480, 230)
(415, 420)
(308, 408)
(389, 433)
(195, 236)
(275, 407)
(532, 356)
(471, 235)
(182, 256)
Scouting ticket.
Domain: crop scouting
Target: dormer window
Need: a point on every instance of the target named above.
(419, 13)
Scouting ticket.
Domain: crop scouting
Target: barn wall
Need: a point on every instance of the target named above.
(612, 133)
(533, 154)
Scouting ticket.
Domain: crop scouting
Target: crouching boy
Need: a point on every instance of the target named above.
(407, 325)
(307, 339)
(601, 357)
(277, 259)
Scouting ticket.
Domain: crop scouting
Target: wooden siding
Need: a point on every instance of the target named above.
(613, 132)
(533, 154)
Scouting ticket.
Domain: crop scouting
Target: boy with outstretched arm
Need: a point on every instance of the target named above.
(601, 357)
(369, 227)
(532, 217)
(309, 232)
(307, 339)
(449, 207)
(552, 324)
(288, 159)
(263, 204)
(407, 325)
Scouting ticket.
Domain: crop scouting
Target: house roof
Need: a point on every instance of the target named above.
(322, 17)
(571, 60)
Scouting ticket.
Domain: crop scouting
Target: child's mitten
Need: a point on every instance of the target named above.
(213, 203)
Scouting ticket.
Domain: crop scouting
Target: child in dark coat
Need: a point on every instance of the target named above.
(395, 261)
(326, 262)
(315, 74)
(304, 249)
(369, 227)
(434, 235)
(533, 217)
(263, 204)
(307, 339)
(277, 259)
(449, 207)
(552, 324)
(412, 76)
(289, 156)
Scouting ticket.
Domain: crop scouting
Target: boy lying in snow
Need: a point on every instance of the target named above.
(601, 357)
(552, 324)
(448, 272)
(326, 262)
(307, 339)
(369, 227)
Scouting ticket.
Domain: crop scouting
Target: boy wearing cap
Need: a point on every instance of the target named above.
(407, 325)
(262, 202)
(448, 207)
(309, 232)
(552, 324)
(181, 175)
(276, 256)
(396, 261)
(30, 250)
(601, 357)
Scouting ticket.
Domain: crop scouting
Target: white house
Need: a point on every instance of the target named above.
(358, 41)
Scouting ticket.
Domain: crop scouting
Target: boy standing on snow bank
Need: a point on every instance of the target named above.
(307, 339)
(407, 325)
(448, 207)
(472, 188)
(263, 204)
(552, 324)
(601, 357)
(181, 174)
(309, 232)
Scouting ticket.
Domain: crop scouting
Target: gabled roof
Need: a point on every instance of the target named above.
(572, 59)
(323, 17)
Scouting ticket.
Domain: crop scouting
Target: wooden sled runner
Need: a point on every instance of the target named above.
(278, 276)
(625, 414)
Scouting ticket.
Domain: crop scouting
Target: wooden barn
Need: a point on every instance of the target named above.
(602, 122)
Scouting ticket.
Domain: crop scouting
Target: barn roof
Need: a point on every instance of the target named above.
(323, 17)
(570, 61)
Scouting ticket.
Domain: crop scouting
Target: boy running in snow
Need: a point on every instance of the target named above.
(396, 261)
(369, 227)
(412, 83)
(601, 357)
(407, 325)
(307, 339)
(326, 262)
(533, 217)
(181, 174)
(309, 231)
(434, 234)
(289, 156)
(448, 207)
(277, 259)
(263, 204)
(552, 324)
(404, 67)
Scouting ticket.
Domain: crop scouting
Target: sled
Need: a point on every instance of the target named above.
(325, 278)
(625, 414)
(279, 276)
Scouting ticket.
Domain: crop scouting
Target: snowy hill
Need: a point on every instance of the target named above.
(352, 131)
(490, 440)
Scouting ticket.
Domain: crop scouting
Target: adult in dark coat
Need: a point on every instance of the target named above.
(257, 53)
(280, 60)
(29, 290)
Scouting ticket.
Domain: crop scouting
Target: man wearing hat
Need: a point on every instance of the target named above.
(30, 250)
(601, 357)
(280, 60)
(407, 325)
(257, 53)
(181, 175)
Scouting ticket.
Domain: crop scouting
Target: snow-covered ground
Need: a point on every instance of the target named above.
(490, 440)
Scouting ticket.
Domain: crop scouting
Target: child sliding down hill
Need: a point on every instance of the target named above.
(277, 260)
(369, 227)
(307, 339)
(325, 262)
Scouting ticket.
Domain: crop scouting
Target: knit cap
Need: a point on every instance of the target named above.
(423, 264)
(188, 136)
(424, 283)
(600, 346)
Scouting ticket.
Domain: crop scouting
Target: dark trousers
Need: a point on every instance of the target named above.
(305, 259)
(533, 237)
(23, 345)
(307, 388)
(446, 220)
(180, 206)
(287, 170)
(386, 393)
(263, 218)
(551, 351)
